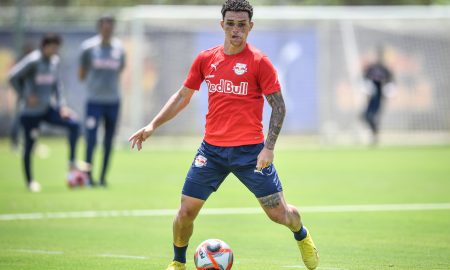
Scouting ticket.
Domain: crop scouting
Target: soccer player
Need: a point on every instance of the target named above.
(36, 80)
(101, 62)
(379, 84)
(238, 77)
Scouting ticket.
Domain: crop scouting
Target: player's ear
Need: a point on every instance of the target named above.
(251, 25)
(222, 23)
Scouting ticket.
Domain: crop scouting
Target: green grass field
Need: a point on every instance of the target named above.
(152, 179)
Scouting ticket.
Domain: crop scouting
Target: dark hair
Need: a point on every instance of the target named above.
(237, 5)
(50, 38)
(106, 18)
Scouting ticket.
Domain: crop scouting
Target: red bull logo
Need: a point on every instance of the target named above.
(227, 87)
(240, 69)
(200, 161)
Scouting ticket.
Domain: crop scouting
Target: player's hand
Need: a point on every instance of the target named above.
(140, 136)
(66, 113)
(265, 158)
(32, 101)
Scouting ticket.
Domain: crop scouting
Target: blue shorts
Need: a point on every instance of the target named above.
(212, 164)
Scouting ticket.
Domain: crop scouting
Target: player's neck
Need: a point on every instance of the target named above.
(106, 42)
(230, 49)
(46, 55)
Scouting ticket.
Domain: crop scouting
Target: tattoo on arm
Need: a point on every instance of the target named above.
(276, 119)
(271, 201)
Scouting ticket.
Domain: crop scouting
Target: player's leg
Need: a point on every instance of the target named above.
(183, 227)
(279, 211)
(30, 126)
(376, 117)
(111, 116)
(371, 116)
(204, 177)
(53, 117)
(14, 133)
(183, 224)
(93, 113)
(266, 186)
(368, 117)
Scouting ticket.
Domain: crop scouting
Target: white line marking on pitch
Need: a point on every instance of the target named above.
(226, 211)
(123, 256)
(55, 252)
(37, 251)
(319, 268)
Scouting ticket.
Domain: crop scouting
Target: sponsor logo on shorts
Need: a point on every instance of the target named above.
(267, 171)
(200, 161)
(91, 122)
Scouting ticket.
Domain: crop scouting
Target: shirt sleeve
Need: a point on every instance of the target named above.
(18, 74)
(268, 77)
(195, 76)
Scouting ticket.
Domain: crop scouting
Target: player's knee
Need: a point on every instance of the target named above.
(186, 214)
(285, 215)
(292, 211)
(278, 216)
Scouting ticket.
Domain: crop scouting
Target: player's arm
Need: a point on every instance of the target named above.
(123, 61)
(64, 111)
(18, 74)
(25, 68)
(84, 64)
(276, 101)
(81, 73)
(174, 105)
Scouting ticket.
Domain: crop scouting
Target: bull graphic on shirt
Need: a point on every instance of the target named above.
(240, 69)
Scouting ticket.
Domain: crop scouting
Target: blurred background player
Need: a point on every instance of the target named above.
(238, 77)
(36, 80)
(15, 125)
(378, 85)
(101, 62)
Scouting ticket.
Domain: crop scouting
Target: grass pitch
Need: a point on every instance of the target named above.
(152, 179)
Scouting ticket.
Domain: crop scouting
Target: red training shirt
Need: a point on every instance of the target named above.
(236, 85)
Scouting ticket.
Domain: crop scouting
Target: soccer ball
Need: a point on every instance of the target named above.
(213, 254)
(77, 178)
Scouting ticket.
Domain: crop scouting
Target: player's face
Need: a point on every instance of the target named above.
(236, 25)
(50, 49)
(106, 29)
